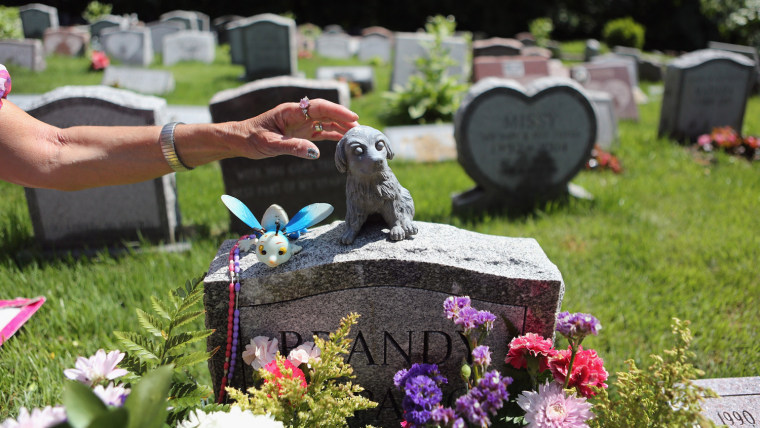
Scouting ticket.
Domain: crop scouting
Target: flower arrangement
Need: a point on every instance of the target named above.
(727, 139)
(602, 160)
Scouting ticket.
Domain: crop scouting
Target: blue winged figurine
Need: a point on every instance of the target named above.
(273, 239)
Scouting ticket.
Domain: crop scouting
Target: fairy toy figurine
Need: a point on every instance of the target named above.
(274, 235)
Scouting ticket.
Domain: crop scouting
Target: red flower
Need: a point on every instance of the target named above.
(752, 142)
(528, 346)
(588, 370)
(296, 373)
(99, 60)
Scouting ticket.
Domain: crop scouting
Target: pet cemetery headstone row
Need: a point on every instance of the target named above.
(522, 145)
(105, 215)
(398, 288)
(705, 89)
(285, 180)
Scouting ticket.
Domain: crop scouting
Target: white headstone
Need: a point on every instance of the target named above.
(189, 46)
(133, 46)
(375, 45)
(27, 53)
(161, 29)
(410, 46)
(334, 45)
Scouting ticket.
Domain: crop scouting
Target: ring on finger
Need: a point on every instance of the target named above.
(304, 104)
(318, 127)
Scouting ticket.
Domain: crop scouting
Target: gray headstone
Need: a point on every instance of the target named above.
(606, 120)
(187, 18)
(68, 41)
(219, 25)
(410, 46)
(142, 80)
(287, 181)
(651, 69)
(423, 143)
(27, 53)
(398, 288)
(161, 29)
(189, 46)
(613, 78)
(738, 403)
(334, 45)
(521, 144)
(265, 44)
(36, 18)
(496, 46)
(133, 46)
(108, 21)
(748, 51)
(592, 49)
(375, 45)
(364, 76)
(334, 29)
(106, 215)
(705, 89)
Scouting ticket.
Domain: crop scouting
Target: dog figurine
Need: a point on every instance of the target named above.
(371, 186)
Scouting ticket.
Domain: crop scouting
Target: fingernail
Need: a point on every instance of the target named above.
(312, 153)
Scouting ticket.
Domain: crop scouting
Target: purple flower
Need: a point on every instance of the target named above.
(443, 415)
(98, 368)
(38, 418)
(452, 305)
(422, 395)
(485, 399)
(429, 370)
(577, 326)
(551, 408)
(481, 356)
(112, 395)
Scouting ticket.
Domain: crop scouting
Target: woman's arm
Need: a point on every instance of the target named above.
(35, 154)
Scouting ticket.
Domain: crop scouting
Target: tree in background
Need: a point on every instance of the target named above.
(10, 23)
(738, 20)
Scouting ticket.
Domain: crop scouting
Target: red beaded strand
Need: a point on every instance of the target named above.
(233, 319)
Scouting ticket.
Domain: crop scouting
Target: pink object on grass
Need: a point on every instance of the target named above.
(24, 309)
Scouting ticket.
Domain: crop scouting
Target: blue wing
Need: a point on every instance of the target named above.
(309, 216)
(241, 211)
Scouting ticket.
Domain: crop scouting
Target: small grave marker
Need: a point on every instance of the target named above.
(522, 145)
(334, 45)
(423, 143)
(36, 18)
(189, 46)
(398, 288)
(27, 53)
(132, 46)
(705, 89)
(142, 80)
(613, 78)
(364, 76)
(161, 29)
(738, 403)
(375, 45)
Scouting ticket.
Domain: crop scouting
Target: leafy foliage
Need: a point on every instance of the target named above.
(737, 19)
(95, 10)
(327, 400)
(624, 32)
(165, 342)
(145, 406)
(431, 95)
(664, 395)
(10, 23)
(541, 28)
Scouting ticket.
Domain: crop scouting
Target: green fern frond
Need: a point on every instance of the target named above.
(188, 359)
(137, 345)
(153, 325)
(180, 320)
(159, 308)
(177, 342)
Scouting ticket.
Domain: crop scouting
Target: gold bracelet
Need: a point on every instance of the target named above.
(167, 147)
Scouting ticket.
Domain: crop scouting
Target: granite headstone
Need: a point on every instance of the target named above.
(287, 181)
(705, 89)
(613, 78)
(410, 46)
(265, 44)
(398, 289)
(188, 19)
(105, 215)
(375, 45)
(27, 53)
(334, 45)
(522, 69)
(67, 41)
(107, 21)
(132, 46)
(738, 401)
(142, 80)
(496, 46)
(161, 29)
(522, 145)
(423, 143)
(189, 45)
(592, 49)
(606, 120)
(219, 25)
(629, 61)
(364, 76)
(748, 51)
(36, 18)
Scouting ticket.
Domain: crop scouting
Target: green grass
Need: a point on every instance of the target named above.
(670, 237)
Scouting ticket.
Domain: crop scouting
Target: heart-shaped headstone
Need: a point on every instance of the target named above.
(525, 141)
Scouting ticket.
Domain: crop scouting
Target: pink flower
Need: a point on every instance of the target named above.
(112, 395)
(551, 408)
(260, 352)
(303, 353)
(96, 369)
(752, 142)
(530, 346)
(38, 418)
(295, 373)
(704, 140)
(588, 370)
(99, 60)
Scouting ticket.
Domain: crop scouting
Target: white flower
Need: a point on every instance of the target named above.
(97, 368)
(235, 418)
(39, 418)
(303, 353)
(260, 352)
(112, 395)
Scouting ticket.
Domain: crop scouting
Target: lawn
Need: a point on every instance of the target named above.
(670, 237)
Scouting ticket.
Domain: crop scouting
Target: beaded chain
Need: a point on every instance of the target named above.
(233, 319)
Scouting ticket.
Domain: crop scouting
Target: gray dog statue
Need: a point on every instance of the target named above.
(371, 186)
